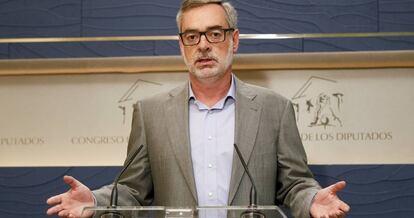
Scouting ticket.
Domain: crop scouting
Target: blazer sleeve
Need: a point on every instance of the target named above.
(296, 185)
(135, 186)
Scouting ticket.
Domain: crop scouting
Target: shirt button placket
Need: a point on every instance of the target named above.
(211, 156)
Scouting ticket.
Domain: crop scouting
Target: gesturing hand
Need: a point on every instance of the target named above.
(71, 203)
(326, 203)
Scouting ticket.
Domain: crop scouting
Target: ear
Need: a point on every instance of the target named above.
(235, 34)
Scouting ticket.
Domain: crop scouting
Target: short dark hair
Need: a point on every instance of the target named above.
(231, 13)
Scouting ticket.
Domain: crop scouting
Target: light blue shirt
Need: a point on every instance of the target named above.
(212, 139)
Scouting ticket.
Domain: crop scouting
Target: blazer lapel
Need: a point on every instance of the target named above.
(176, 113)
(247, 122)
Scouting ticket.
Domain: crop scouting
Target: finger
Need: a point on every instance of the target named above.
(72, 182)
(344, 207)
(337, 186)
(340, 213)
(54, 210)
(54, 200)
(63, 213)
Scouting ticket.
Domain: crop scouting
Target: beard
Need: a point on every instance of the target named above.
(216, 71)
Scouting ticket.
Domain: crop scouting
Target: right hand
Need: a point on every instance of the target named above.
(71, 203)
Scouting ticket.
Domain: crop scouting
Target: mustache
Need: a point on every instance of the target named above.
(205, 56)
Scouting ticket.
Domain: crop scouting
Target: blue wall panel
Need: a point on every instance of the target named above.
(47, 18)
(104, 49)
(129, 17)
(358, 44)
(268, 46)
(126, 17)
(51, 50)
(396, 15)
(92, 49)
(393, 15)
(372, 190)
(123, 18)
(20, 18)
(4, 51)
(166, 48)
(23, 191)
(319, 16)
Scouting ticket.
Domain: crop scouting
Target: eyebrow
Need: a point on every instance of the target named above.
(208, 28)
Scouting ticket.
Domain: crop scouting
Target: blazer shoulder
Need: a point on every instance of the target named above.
(162, 97)
(266, 94)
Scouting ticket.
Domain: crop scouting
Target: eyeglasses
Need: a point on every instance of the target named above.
(190, 38)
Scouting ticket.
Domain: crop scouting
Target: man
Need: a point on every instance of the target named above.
(189, 132)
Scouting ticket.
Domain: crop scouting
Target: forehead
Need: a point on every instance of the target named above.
(203, 17)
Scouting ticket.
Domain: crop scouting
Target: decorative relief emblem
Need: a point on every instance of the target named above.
(129, 98)
(318, 103)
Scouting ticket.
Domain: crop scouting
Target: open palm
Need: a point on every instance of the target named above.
(326, 203)
(71, 203)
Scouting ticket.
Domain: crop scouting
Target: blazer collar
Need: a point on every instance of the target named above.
(248, 112)
(176, 115)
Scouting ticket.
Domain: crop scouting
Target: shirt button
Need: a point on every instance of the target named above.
(210, 165)
(210, 194)
(209, 137)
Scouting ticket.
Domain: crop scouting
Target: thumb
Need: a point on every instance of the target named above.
(339, 186)
(72, 182)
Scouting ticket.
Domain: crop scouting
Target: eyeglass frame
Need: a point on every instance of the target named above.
(204, 33)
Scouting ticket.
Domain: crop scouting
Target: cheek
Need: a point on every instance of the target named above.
(188, 56)
(188, 52)
(224, 52)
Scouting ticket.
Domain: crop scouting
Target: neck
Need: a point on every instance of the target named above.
(211, 91)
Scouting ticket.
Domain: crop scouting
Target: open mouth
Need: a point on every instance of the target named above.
(205, 61)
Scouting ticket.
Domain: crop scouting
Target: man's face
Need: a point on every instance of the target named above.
(208, 60)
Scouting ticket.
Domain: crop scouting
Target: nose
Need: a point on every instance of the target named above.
(204, 45)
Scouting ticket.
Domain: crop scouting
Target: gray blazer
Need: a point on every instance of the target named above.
(266, 134)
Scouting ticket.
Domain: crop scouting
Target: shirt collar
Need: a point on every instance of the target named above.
(231, 93)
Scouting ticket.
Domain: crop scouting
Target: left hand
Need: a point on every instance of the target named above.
(71, 203)
(326, 203)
